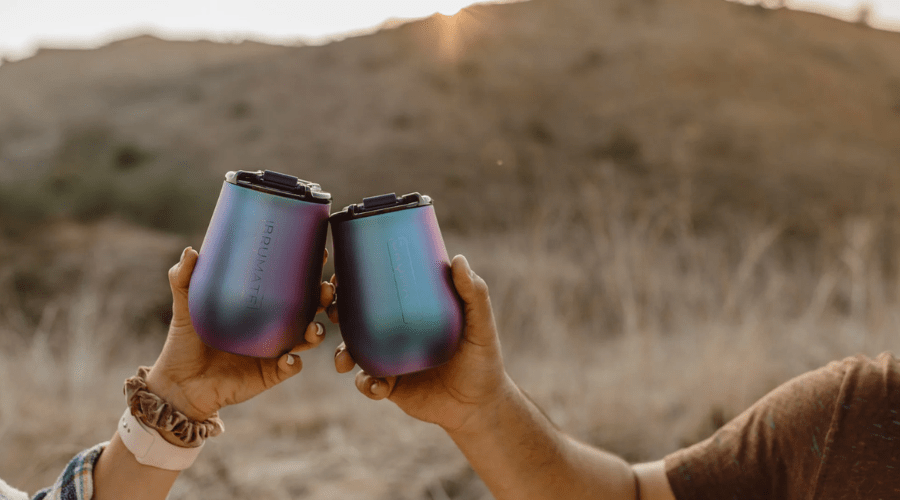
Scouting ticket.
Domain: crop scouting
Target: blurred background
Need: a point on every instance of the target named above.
(677, 206)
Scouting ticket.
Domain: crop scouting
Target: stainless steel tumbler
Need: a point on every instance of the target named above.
(256, 284)
(397, 304)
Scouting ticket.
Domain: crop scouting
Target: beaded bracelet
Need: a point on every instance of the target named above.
(156, 413)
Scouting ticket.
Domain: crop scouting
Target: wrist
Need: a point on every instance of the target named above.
(488, 414)
(171, 423)
(159, 383)
(150, 447)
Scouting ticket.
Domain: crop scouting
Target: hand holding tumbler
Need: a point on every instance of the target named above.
(399, 310)
(255, 287)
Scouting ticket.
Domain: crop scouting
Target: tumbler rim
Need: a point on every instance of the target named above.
(360, 210)
(257, 180)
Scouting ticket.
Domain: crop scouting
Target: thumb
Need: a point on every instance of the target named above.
(180, 273)
(480, 328)
(180, 279)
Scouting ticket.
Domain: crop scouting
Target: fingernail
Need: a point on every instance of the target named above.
(374, 387)
(320, 330)
(290, 360)
(338, 352)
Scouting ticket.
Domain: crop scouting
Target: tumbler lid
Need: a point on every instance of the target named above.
(279, 184)
(380, 204)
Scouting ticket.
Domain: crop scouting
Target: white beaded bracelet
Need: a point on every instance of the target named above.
(149, 448)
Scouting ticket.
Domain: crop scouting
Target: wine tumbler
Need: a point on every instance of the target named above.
(398, 307)
(256, 284)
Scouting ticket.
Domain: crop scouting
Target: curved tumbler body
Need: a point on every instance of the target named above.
(256, 284)
(399, 309)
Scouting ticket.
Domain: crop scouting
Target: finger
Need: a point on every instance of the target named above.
(343, 362)
(373, 387)
(325, 257)
(315, 334)
(180, 273)
(332, 312)
(384, 387)
(326, 296)
(311, 338)
(289, 365)
(331, 309)
(180, 278)
(184, 269)
(473, 291)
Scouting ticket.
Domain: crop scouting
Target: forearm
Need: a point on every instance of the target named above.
(519, 455)
(119, 475)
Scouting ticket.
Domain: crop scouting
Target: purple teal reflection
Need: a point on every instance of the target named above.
(256, 284)
(399, 310)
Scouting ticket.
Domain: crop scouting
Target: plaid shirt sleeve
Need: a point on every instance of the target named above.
(75, 483)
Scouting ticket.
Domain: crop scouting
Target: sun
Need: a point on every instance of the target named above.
(451, 7)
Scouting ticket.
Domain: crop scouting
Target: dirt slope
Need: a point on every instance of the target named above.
(766, 111)
(670, 153)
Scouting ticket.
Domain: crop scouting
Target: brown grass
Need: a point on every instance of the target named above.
(632, 330)
(677, 205)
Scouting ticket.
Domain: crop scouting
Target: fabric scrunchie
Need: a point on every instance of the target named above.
(157, 413)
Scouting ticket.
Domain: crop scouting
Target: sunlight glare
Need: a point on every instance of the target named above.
(451, 7)
(26, 25)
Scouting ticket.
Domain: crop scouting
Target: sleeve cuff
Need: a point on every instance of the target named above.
(77, 480)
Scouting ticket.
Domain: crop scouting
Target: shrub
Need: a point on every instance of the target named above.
(95, 174)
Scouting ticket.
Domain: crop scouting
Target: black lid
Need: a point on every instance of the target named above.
(279, 184)
(375, 205)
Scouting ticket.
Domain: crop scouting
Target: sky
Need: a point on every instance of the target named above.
(26, 25)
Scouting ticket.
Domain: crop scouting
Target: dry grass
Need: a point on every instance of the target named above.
(677, 205)
(633, 330)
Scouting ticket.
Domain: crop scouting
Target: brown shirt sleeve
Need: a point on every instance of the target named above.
(833, 433)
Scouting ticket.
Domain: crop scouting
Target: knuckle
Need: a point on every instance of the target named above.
(297, 366)
(332, 313)
(481, 286)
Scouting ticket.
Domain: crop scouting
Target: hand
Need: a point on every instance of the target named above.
(454, 394)
(197, 379)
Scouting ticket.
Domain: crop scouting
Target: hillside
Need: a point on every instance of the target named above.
(677, 205)
(772, 111)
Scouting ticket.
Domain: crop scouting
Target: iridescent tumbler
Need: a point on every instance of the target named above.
(256, 284)
(398, 307)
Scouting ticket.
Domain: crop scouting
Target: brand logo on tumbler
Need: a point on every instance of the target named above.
(404, 278)
(259, 259)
